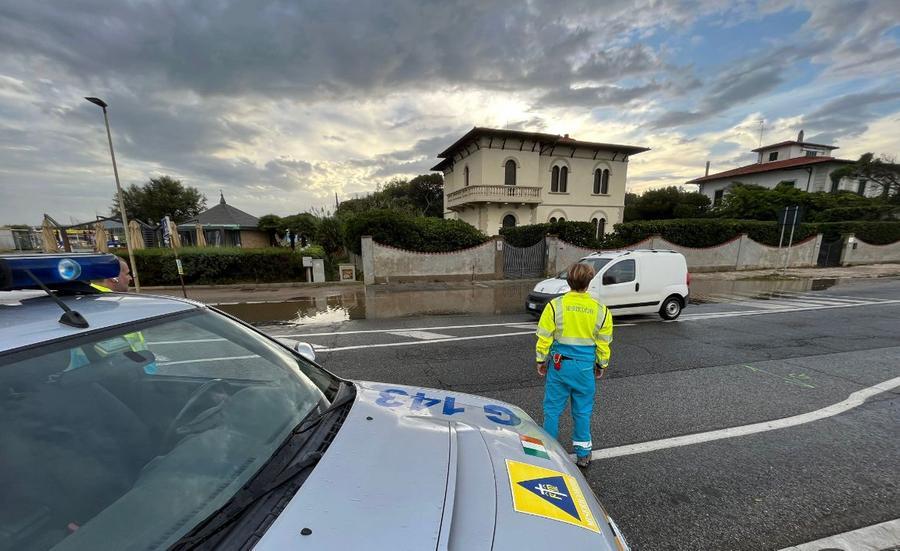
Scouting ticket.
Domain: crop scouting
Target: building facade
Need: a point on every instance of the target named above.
(224, 226)
(497, 178)
(803, 165)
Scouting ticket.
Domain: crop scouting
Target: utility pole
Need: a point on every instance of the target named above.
(762, 123)
(134, 268)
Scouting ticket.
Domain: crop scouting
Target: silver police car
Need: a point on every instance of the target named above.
(143, 422)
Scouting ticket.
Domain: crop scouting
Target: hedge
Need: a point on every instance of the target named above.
(576, 233)
(876, 233)
(209, 265)
(693, 232)
(415, 234)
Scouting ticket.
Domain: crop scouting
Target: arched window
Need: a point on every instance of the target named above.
(509, 221)
(604, 183)
(599, 226)
(561, 219)
(466, 175)
(553, 220)
(554, 179)
(598, 177)
(563, 179)
(510, 175)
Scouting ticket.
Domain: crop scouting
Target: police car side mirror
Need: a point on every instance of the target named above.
(303, 348)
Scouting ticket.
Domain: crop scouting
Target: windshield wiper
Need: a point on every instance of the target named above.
(245, 499)
(266, 482)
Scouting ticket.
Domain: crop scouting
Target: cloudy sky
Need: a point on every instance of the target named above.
(281, 104)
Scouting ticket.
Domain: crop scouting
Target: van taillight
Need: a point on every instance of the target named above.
(688, 279)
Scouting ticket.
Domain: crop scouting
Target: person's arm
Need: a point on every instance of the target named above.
(603, 338)
(546, 327)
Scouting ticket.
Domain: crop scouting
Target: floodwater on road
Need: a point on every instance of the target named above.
(376, 302)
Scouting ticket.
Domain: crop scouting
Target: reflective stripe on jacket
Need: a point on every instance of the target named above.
(576, 326)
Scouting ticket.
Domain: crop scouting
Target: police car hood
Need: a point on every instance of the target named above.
(415, 468)
(552, 286)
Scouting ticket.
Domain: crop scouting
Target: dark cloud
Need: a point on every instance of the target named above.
(417, 159)
(316, 49)
(847, 116)
(758, 73)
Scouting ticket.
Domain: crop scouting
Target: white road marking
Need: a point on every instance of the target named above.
(715, 315)
(363, 331)
(855, 400)
(871, 538)
(421, 343)
(421, 335)
(828, 298)
(683, 318)
(201, 360)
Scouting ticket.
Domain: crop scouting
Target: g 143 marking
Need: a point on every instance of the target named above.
(395, 397)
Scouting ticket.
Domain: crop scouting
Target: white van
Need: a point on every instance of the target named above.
(642, 281)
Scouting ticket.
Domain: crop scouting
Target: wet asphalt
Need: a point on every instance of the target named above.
(723, 364)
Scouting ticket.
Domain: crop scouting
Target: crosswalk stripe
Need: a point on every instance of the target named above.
(775, 298)
(780, 300)
(829, 298)
(730, 299)
(819, 301)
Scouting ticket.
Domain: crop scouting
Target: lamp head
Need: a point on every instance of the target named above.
(97, 101)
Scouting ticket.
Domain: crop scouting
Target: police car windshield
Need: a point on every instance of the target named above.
(128, 438)
(596, 263)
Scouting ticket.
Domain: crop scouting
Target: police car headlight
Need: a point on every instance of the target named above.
(68, 269)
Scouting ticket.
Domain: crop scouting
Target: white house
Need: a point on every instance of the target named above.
(804, 165)
(497, 178)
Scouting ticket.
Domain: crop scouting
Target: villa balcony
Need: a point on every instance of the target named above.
(469, 196)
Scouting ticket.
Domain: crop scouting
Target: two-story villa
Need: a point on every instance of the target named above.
(798, 163)
(500, 178)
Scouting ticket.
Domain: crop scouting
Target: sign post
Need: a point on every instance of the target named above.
(169, 239)
(792, 213)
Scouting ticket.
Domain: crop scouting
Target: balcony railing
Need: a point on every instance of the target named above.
(494, 194)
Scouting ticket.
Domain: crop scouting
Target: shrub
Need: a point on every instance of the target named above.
(209, 265)
(710, 232)
(704, 232)
(841, 214)
(876, 233)
(415, 234)
(577, 233)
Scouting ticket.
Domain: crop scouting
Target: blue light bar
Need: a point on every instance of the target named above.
(55, 269)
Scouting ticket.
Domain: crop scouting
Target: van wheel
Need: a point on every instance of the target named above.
(671, 308)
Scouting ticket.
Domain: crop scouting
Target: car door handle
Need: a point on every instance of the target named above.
(637, 287)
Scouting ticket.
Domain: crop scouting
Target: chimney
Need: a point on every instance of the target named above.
(800, 137)
(707, 169)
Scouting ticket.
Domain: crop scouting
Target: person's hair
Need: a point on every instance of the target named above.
(579, 276)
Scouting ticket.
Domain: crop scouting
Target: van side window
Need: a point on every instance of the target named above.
(621, 272)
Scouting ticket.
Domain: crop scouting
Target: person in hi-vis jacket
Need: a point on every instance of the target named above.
(573, 338)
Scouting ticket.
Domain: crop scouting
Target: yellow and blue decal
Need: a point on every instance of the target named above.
(550, 494)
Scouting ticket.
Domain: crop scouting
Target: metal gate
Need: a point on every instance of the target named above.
(524, 262)
(830, 252)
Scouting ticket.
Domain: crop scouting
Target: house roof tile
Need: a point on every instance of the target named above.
(755, 168)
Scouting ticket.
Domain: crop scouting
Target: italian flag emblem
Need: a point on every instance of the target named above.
(533, 446)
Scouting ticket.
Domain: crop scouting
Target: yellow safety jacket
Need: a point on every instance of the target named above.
(576, 326)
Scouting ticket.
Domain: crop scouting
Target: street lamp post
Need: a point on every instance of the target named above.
(134, 270)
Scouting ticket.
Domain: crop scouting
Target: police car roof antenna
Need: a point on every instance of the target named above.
(70, 317)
